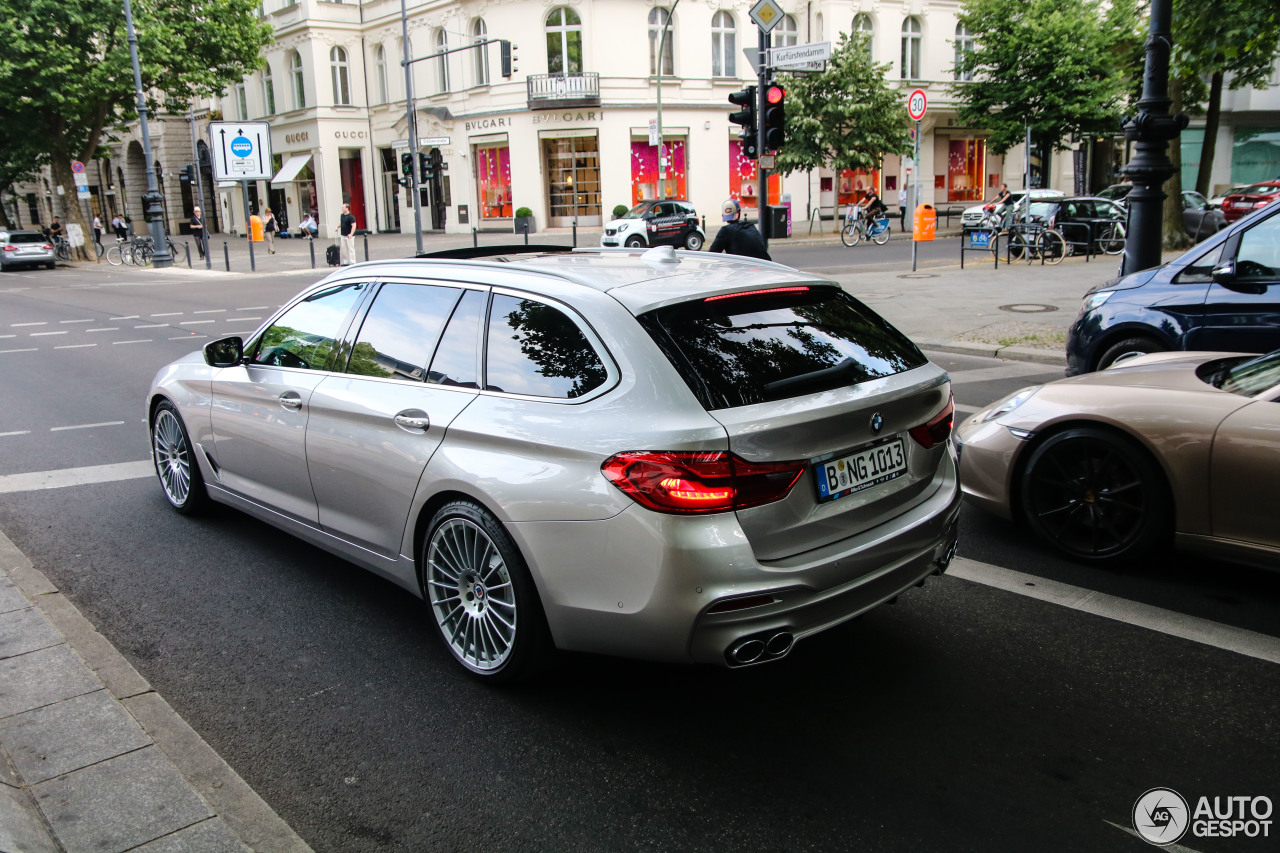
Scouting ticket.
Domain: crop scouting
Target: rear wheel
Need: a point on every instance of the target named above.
(1096, 496)
(1019, 246)
(850, 234)
(113, 256)
(481, 595)
(1111, 239)
(1129, 348)
(693, 241)
(175, 462)
(882, 236)
(1053, 247)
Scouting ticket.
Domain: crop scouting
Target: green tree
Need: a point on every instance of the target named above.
(846, 117)
(1045, 64)
(65, 69)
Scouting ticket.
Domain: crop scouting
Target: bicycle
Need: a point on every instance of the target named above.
(62, 248)
(855, 228)
(1111, 238)
(1035, 240)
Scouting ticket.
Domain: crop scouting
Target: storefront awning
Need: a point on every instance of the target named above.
(290, 169)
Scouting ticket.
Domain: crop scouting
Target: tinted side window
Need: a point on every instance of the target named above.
(304, 336)
(457, 358)
(1258, 258)
(757, 348)
(537, 350)
(400, 331)
(1198, 271)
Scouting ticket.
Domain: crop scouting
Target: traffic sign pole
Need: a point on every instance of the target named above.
(917, 103)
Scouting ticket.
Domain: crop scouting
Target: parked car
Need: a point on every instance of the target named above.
(1115, 192)
(1223, 294)
(1250, 198)
(1085, 219)
(673, 456)
(973, 216)
(1105, 467)
(25, 248)
(656, 223)
(1217, 200)
(1200, 217)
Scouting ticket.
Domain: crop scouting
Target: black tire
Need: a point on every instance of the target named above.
(850, 235)
(881, 237)
(1052, 247)
(635, 243)
(53, 265)
(175, 461)
(1019, 246)
(1095, 495)
(482, 599)
(1129, 348)
(693, 241)
(1111, 239)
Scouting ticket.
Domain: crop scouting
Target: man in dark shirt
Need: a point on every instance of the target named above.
(56, 230)
(197, 230)
(347, 231)
(737, 237)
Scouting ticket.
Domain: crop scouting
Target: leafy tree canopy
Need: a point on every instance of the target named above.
(846, 117)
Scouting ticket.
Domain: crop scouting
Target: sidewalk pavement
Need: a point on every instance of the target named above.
(94, 761)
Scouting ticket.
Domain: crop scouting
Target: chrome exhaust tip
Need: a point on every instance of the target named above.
(779, 644)
(746, 651)
(949, 554)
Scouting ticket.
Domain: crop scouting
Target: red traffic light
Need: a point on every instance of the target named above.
(775, 94)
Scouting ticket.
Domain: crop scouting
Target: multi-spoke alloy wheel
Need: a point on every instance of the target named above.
(1095, 495)
(178, 472)
(481, 595)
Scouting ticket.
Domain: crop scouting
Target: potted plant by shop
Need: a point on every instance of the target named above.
(524, 221)
(620, 211)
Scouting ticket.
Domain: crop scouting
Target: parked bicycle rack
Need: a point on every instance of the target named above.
(986, 240)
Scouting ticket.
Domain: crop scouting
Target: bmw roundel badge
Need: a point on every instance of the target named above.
(877, 423)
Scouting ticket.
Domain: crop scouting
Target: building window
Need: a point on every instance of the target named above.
(911, 38)
(964, 44)
(818, 25)
(295, 75)
(564, 42)
(479, 32)
(268, 90)
(242, 102)
(724, 45)
(380, 63)
(786, 34)
(442, 61)
(341, 83)
(865, 27)
(493, 177)
(658, 18)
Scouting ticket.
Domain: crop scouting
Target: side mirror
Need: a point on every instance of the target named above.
(1224, 274)
(227, 352)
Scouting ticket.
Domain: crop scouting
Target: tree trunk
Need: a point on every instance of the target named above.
(73, 209)
(5, 221)
(1209, 147)
(1175, 236)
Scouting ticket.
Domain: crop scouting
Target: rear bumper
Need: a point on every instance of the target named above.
(660, 587)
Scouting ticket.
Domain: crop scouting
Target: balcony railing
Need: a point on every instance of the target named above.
(549, 91)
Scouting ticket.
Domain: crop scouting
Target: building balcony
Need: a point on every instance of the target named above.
(551, 91)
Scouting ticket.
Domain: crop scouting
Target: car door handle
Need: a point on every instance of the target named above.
(291, 401)
(413, 421)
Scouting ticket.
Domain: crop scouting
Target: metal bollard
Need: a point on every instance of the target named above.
(475, 237)
(186, 247)
(311, 244)
(575, 233)
(366, 247)
(226, 255)
(526, 236)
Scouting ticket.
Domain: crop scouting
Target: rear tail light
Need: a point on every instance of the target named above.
(9, 248)
(938, 429)
(48, 246)
(768, 291)
(685, 482)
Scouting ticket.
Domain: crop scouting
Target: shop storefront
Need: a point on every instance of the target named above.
(966, 169)
(744, 184)
(648, 180)
(571, 161)
(492, 157)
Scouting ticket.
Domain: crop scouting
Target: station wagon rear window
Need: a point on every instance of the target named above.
(778, 343)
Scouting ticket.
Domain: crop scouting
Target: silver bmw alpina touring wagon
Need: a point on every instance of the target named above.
(657, 454)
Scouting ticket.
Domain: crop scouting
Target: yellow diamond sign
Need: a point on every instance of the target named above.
(766, 14)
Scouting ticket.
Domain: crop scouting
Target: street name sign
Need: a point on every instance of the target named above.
(241, 150)
(767, 14)
(800, 55)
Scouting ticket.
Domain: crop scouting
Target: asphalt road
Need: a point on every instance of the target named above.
(963, 718)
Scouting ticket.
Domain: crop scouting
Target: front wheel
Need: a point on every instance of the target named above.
(175, 462)
(850, 234)
(1096, 496)
(63, 252)
(482, 598)
(635, 243)
(113, 256)
(1019, 246)
(1129, 348)
(1053, 247)
(693, 242)
(1111, 240)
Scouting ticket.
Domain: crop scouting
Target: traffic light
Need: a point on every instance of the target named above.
(507, 53)
(775, 116)
(747, 118)
(188, 174)
(406, 169)
(425, 172)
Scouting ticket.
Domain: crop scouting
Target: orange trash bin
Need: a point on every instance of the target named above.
(255, 228)
(925, 223)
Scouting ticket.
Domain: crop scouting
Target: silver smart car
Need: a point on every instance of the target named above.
(654, 454)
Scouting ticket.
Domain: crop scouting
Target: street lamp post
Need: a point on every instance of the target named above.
(1151, 132)
(662, 46)
(413, 127)
(152, 202)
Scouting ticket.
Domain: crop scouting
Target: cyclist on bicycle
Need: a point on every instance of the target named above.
(1003, 204)
(872, 205)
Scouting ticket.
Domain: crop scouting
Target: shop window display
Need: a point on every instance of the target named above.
(744, 181)
(966, 166)
(644, 172)
(853, 184)
(493, 176)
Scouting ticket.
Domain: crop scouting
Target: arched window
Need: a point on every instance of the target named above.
(864, 26)
(268, 90)
(479, 32)
(242, 102)
(785, 34)
(341, 82)
(964, 44)
(295, 76)
(658, 17)
(911, 39)
(724, 45)
(442, 61)
(380, 63)
(564, 41)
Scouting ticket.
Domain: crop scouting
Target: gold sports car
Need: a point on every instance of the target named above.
(1106, 466)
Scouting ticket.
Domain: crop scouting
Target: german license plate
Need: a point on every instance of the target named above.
(862, 469)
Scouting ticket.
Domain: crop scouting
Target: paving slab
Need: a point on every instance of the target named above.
(210, 836)
(22, 830)
(26, 630)
(67, 736)
(42, 678)
(11, 598)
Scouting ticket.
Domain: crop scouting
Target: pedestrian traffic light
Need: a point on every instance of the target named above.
(424, 166)
(747, 118)
(188, 174)
(775, 116)
(406, 164)
(507, 53)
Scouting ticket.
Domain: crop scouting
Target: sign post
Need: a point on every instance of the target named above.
(917, 103)
(241, 152)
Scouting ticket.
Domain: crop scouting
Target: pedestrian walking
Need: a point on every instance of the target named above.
(269, 230)
(118, 225)
(97, 231)
(737, 237)
(197, 230)
(902, 207)
(347, 233)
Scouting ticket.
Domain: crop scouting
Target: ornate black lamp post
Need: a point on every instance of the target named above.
(152, 202)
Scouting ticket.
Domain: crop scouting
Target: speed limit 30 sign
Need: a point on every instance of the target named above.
(917, 103)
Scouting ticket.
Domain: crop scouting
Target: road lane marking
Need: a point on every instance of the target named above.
(8, 336)
(153, 326)
(20, 325)
(170, 314)
(105, 329)
(86, 426)
(187, 337)
(38, 480)
(142, 341)
(16, 432)
(118, 319)
(255, 308)
(195, 322)
(211, 311)
(75, 346)
(31, 349)
(39, 334)
(239, 319)
(1195, 629)
(90, 320)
